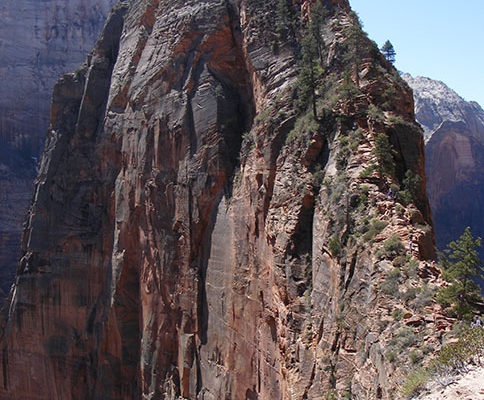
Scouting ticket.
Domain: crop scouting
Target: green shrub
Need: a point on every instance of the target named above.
(394, 274)
(390, 285)
(392, 247)
(460, 269)
(264, 115)
(389, 96)
(305, 126)
(384, 152)
(400, 261)
(342, 158)
(338, 188)
(410, 269)
(375, 113)
(398, 314)
(424, 297)
(423, 227)
(404, 338)
(362, 201)
(415, 356)
(399, 209)
(347, 89)
(355, 138)
(411, 184)
(375, 227)
(365, 189)
(396, 120)
(410, 294)
(390, 355)
(318, 175)
(237, 178)
(346, 395)
(415, 382)
(331, 395)
(367, 172)
(335, 246)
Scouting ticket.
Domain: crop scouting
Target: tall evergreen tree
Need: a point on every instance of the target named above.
(356, 49)
(283, 20)
(318, 15)
(460, 267)
(307, 72)
(388, 51)
(312, 55)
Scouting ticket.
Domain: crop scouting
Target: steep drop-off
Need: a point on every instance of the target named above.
(196, 233)
(39, 41)
(454, 158)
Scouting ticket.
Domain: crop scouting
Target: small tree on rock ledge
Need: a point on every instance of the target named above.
(388, 51)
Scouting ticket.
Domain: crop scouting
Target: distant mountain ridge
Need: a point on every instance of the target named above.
(454, 136)
(436, 103)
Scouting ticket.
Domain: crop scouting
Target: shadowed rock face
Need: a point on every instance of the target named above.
(39, 41)
(17, 174)
(454, 158)
(181, 243)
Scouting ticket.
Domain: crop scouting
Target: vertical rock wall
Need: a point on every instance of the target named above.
(183, 238)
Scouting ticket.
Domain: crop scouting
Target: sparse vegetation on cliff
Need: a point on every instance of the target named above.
(384, 152)
(288, 269)
(411, 184)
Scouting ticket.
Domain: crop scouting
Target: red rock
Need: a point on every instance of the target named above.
(170, 255)
(415, 321)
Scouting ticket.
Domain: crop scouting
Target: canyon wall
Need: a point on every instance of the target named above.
(197, 232)
(454, 131)
(39, 42)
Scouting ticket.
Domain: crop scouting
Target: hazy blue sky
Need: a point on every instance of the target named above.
(440, 39)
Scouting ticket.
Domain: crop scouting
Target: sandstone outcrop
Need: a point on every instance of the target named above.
(454, 130)
(198, 234)
(39, 41)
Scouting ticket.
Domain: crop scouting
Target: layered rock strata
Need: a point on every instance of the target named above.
(39, 42)
(196, 233)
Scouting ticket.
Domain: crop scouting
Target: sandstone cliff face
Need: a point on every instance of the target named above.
(39, 41)
(196, 235)
(454, 157)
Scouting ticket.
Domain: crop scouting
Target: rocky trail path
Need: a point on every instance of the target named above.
(467, 387)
